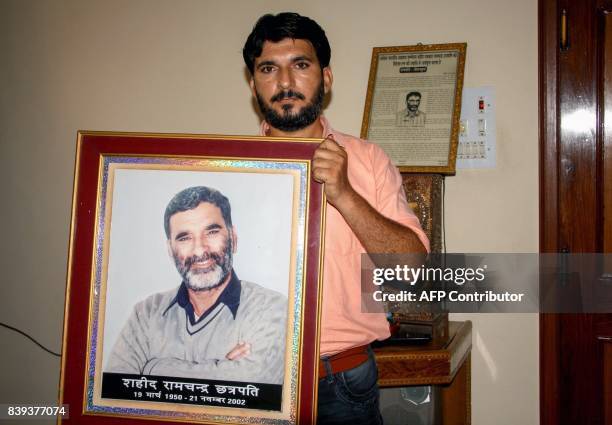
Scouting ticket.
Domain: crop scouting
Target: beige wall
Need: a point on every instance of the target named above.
(175, 66)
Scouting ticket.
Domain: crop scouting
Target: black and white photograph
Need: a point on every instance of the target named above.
(412, 113)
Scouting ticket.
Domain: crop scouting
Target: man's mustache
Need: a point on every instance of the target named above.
(195, 258)
(287, 94)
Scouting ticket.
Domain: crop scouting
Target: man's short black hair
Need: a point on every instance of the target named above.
(275, 28)
(413, 93)
(190, 198)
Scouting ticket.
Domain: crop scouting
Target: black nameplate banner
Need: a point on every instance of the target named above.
(191, 391)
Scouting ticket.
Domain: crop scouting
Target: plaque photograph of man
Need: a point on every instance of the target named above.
(411, 115)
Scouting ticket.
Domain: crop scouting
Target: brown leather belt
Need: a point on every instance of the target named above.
(344, 360)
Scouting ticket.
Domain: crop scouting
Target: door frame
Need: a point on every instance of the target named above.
(548, 211)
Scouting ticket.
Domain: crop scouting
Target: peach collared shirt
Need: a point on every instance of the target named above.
(377, 180)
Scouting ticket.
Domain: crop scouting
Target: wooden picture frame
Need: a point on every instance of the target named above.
(118, 276)
(413, 105)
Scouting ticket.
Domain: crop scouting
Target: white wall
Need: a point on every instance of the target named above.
(176, 66)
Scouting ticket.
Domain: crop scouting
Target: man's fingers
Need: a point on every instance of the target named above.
(330, 167)
(331, 144)
(324, 170)
(323, 163)
(321, 175)
(329, 155)
(241, 350)
(330, 150)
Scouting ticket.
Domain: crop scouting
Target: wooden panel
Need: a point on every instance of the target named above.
(605, 40)
(579, 373)
(457, 398)
(607, 378)
(577, 130)
(424, 195)
(603, 326)
(547, 54)
(434, 363)
(574, 198)
(547, 73)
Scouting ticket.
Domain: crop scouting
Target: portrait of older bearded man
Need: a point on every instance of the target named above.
(214, 325)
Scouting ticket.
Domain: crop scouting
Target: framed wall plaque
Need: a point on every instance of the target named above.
(150, 234)
(413, 105)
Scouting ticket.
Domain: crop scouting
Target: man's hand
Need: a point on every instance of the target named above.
(329, 166)
(241, 350)
(377, 233)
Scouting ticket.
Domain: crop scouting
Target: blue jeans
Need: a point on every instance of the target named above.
(350, 397)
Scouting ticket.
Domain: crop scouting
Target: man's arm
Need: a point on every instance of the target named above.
(377, 233)
(259, 367)
(130, 352)
(260, 359)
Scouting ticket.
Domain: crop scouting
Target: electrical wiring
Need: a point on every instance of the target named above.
(30, 338)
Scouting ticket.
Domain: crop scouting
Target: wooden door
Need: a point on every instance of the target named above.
(576, 200)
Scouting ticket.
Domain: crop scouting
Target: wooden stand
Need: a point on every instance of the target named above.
(424, 195)
(441, 362)
(445, 361)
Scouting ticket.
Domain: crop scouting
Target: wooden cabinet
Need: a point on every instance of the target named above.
(442, 362)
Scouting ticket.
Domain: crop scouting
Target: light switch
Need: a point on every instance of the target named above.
(463, 128)
(482, 127)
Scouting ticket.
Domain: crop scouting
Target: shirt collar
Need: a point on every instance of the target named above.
(230, 297)
(264, 128)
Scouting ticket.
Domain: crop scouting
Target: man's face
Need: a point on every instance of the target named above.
(412, 103)
(202, 246)
(289, 84)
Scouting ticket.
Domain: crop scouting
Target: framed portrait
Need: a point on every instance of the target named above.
(193, 287)
(413, 105)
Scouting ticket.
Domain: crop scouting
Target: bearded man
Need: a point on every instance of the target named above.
(214, 326)
(411, 116)
(288, 57)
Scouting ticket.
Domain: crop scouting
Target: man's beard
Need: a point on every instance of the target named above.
(205, 279)
(288, 121)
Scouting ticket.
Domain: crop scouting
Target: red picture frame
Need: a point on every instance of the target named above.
(101, 158)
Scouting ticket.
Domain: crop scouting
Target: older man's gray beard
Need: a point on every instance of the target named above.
(209, 278)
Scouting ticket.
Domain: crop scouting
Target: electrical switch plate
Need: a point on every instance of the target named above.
(477, 128)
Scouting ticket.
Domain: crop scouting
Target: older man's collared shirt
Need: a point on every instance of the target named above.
(229, 297)
(163, 338)
(406, 118)
(378, 181)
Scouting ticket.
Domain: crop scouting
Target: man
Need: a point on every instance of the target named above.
(288, 58)
(215, 326)
(411, 116)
